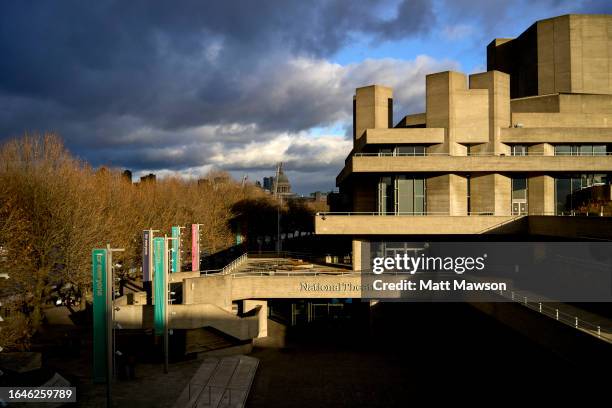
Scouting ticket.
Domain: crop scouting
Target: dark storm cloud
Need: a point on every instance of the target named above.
(173, 65)
(180, 86)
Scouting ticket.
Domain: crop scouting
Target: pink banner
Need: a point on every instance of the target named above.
(195, 247)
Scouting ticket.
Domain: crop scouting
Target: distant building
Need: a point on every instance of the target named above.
(319, 196)
(282, 186)
(268, 183)
(127, 174)
(148, 178)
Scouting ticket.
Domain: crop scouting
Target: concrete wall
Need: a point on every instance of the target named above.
(573, 54)
(490, 193)
(407, 225)
(365, 194)
(501, 164)
(497, 85)
(541, 195)
(190, 317)
(556, 135)
(560, 120)
(571, 227)
(401, 136)
(372, 110)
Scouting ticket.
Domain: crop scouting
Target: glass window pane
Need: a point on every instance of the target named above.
(519, 188)
(586, 150)
(599, 150)
(562, 195)
(563, 150)
(405, 195)
(404, 151)
(385, 195)
(519, 150)
(419, 150)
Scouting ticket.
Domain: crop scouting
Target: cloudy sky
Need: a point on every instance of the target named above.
(180, 87)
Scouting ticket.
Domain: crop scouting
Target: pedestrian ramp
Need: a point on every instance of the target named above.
(220, 382)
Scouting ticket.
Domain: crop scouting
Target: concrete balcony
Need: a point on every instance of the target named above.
(443, 163)
(364, 224)
(556, 135)
(400, 136)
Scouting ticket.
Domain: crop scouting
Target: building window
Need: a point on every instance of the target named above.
(385, 196)
(581, 150)
(572, 192)
(409, 150)
(519, 150)
(401, 195)
(519, 196)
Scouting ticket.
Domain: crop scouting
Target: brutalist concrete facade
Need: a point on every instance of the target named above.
(530, 137)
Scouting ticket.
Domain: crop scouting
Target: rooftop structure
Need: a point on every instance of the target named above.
(530, 137)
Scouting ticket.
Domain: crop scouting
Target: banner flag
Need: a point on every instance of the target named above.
(195, 247)
(176, 248)
(159, 277)
(98, 268)
(146, 256)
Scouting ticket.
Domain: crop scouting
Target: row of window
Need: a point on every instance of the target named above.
(516, 150)
(407, 195)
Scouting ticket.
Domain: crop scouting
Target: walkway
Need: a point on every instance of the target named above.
(220, 382)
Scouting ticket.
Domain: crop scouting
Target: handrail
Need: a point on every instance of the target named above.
(505, 222)
(227, 268)
(471, 213)
(566, 318)
(475, 154)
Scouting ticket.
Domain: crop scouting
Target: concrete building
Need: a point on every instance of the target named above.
(531, 137)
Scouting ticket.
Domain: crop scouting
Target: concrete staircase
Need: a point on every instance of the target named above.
(220, 382)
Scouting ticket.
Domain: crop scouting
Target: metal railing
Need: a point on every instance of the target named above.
(471, 213)
(291, 273)
(571, 320)
(227, 268)
(469, 154)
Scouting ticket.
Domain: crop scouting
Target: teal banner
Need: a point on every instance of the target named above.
(176, 247)
(100, 361)
(159, 277)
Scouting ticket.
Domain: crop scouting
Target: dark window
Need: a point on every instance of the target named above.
(390, 111)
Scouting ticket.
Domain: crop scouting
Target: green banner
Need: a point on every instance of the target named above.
(159, 277)
(176, 234)
(98, 268)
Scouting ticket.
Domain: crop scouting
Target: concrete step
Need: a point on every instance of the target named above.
(220, 382)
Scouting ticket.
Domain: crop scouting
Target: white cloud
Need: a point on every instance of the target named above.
(457, 32)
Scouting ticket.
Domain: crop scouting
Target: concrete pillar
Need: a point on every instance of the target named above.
(447, 195)
(357, 255)
(373, 109)
(262, 315)
(441, 89)
(498, 85)
(490, 194)
(544, 149)
(541, 195)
